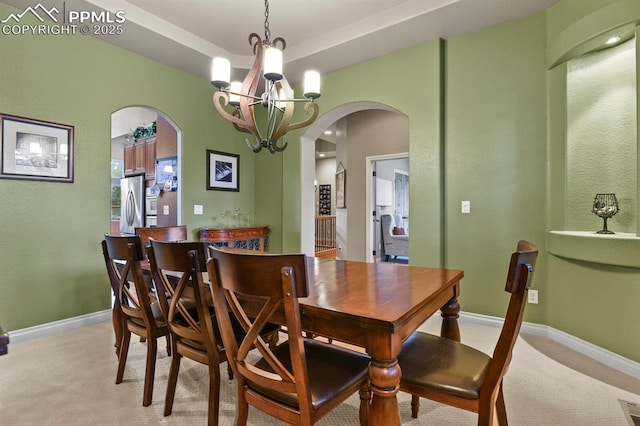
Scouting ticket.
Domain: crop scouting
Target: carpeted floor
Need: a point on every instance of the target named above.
(69, 379)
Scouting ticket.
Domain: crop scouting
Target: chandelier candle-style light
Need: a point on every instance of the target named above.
(278, 97)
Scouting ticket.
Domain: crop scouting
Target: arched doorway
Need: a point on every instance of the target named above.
(308, 173)
(146, 141)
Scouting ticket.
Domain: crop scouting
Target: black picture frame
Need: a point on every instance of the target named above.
(35, 149)
(223, 171)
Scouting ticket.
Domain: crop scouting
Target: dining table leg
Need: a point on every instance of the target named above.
(384, 377)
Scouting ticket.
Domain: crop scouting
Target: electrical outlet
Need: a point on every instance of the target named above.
(197, 209)
(465, 206)
(533, 297)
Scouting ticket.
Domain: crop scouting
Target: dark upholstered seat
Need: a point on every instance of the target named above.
(443, 365)
(302, 379)
(452, 373)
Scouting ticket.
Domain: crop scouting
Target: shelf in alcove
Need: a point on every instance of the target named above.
(619, 249)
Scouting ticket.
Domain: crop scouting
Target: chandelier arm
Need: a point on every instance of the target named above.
(284, 89)
(255, 41)
(236, 117)
(257, 147)
(236, 113)
(256, 99)
(285, 126)
(279, 40)
(250, 86)
(275, 148)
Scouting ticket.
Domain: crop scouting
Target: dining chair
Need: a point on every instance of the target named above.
(300, 380)
(177, 269)
(139, 311)
(455, 374)
(162, 233)
(116, 312)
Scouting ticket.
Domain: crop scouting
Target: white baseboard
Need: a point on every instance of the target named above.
(59, 326)
(597, 353)
(604, 356)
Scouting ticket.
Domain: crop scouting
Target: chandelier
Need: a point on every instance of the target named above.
(278, 98)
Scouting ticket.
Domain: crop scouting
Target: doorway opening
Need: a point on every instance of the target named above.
(145, 141)
(351, 151)
(387, 194)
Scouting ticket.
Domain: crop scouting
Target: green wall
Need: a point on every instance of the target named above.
(495, 158)
(50, 257)
(487, 119)
(596, 302)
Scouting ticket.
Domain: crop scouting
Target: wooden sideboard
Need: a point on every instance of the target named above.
(251, 237)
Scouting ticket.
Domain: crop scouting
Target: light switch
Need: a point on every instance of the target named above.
(165, 210)
(197, 209)
(466, 207)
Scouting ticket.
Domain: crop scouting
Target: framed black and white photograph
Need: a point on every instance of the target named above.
(223, 171)
(35, 150)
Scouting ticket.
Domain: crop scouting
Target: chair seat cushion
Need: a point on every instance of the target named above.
(443, 365)
(331, 370)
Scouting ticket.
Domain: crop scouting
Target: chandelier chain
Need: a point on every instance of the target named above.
(267, 31)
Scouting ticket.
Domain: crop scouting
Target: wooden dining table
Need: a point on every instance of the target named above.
(376, 306)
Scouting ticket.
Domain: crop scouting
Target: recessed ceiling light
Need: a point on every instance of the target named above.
(321, 155)
(613, 40)
(327, 132)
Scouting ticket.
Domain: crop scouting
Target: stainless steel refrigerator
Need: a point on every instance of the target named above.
(131, 203)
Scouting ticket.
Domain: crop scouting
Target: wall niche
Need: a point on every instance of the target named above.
(602, 137)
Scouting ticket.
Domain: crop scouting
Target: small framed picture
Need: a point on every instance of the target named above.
(35, 150)
(223, 171)
(341, 189)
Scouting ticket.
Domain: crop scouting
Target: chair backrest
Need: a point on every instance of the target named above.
(521, 267)
(273, 283)
(177, 269)
(123, 256)
(162, 233)
(386, 221)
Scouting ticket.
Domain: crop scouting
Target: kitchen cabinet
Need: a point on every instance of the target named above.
(149, 162)
(140, 156)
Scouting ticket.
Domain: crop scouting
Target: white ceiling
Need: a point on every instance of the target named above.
(128, 119)
(324, 35)
(321, 34)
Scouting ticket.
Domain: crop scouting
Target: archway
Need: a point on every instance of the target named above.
(307, 158)
(156, 153)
